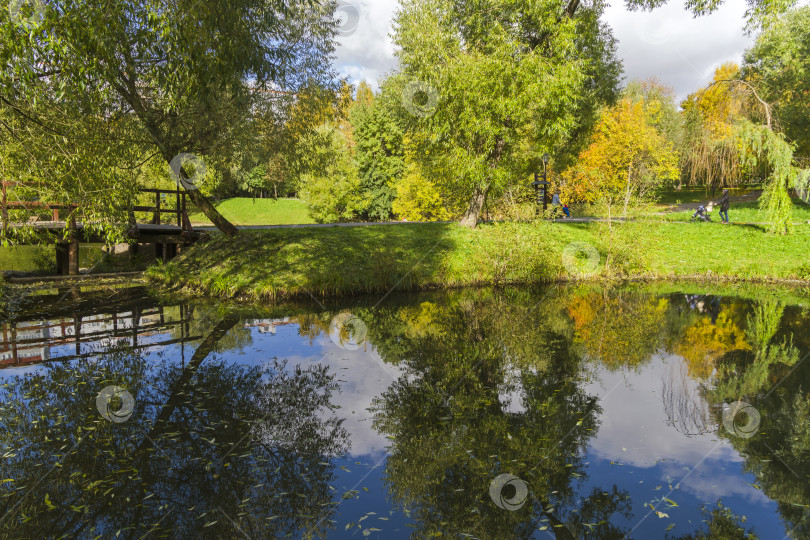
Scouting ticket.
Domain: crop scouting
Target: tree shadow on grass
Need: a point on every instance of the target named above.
(322, 261)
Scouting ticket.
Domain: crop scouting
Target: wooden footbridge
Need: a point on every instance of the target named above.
(64, 221)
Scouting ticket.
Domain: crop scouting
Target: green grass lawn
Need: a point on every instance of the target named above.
(284, 263)
(746, 212)
(245, 211)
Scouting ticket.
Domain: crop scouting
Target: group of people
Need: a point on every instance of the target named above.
(724, 204)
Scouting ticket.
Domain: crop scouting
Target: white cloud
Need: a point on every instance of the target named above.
(668, 43)
(368, 53)
(682, 51)
(362, 376)
(634, 431)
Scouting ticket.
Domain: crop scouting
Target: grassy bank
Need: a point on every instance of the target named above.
(285, 263)
(246, 211)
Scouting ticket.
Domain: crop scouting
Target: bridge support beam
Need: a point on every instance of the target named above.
(67, 252)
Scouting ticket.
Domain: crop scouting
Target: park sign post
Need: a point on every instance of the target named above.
(542, 184)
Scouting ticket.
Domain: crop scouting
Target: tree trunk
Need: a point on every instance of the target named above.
(473, 213)
(202, 202)
(210, 211)
(627, 193)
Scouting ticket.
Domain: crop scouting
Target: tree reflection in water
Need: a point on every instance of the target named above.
(455, 430)
(212, 449)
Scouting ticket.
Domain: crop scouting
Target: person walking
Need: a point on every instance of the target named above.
(555, 203)
(724, 205)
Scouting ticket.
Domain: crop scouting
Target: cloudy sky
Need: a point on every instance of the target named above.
(667, 43)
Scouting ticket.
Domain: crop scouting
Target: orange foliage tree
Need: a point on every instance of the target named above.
(627, 157)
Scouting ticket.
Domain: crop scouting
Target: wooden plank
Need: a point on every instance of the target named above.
(154, 209)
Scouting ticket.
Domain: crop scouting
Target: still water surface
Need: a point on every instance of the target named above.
(550, 413)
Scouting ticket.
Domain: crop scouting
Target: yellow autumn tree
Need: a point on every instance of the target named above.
(706, 341)
(418, 198)
(626, 159)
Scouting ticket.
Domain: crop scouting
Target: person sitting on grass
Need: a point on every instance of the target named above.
(724, 205)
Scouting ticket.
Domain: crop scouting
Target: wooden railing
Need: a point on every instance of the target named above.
(158, 211)
(180, 209)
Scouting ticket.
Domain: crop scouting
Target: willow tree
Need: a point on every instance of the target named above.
(711, 155)
(739, 132)
(780, 60)
(169, 77)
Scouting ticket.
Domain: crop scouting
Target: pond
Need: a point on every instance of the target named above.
(563, 412)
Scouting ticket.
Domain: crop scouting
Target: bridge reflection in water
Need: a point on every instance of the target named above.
(88, 323)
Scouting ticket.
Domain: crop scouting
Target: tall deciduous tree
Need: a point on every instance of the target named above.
(627, 158)
(781, 60)
(181, 72)
(711, 154)
(498, 83)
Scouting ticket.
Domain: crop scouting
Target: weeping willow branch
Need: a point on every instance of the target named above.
(752, 145)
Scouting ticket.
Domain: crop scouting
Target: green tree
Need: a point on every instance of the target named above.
(169, 78)
(379, 152)
(780, 62)
(331, 187)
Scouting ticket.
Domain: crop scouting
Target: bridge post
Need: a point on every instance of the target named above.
(4, 203)
(61, 258)
(73, 248)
